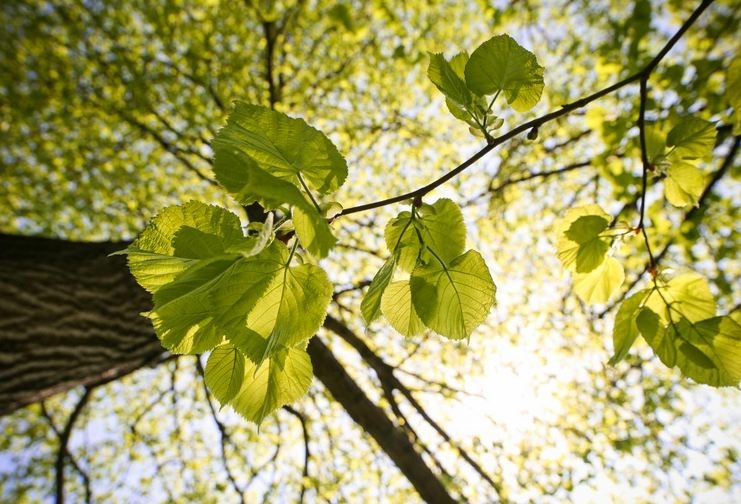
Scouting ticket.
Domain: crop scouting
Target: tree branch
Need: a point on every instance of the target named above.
(62, 452)
(537, 122)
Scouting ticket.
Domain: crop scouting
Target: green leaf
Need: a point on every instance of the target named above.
(692, 138)
(625, 330)
(288, 313)
(579, 245)
(370, 307)
(281, 146)
(599, 284)
(501, 64)
(688, 295)
(453, 299)
(441, 227)
(224, 373)
(655, 137)
(234, 295)
(684, 184)
(649, 324)
(397, 307)
(402, 239)
(445, 78)
(158, 256)
(719, 339)
(708, 351)
(280, 379)
(313, 231)
(592, 249)
(182, 316)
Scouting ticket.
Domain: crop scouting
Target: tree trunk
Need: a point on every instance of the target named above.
(69, 316)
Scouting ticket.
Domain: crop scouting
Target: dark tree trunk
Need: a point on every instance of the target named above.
(69, 316)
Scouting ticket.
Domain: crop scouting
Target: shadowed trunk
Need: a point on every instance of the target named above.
(69, 316)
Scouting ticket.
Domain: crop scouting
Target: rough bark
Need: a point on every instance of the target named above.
(69, 316)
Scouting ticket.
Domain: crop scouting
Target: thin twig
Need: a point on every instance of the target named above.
(62, 452)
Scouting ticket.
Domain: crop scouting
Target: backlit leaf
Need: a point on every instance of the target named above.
(501, 64)
(599, 284)
(280, 379)
(453, 299)
(224, 372)
(282, 146)
(397, 307)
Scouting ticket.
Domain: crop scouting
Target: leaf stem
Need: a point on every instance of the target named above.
(311, 196)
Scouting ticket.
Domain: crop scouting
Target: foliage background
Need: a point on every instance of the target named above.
(106, 115)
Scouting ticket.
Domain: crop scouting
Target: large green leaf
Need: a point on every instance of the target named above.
(687, 294)
(177, 238)
(684, 184)
(288, 313)
(580, 246)
(625, 331)
(224, 373)
(599, 284)
(182, 315)
(718, 338)
(708, 351)
(280, 379)
(692, 138)
(453, 299)
(397, 307)
(370, 307)
(258, 138)
(501, 64)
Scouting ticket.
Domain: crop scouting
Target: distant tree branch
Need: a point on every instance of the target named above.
(62, 451)
(224, 437)
(307, 451)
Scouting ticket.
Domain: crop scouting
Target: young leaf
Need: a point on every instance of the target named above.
(158, 256)
(453, 299)
(625, 330)
(501, 64)
(370, 307)
(182, 316)
(397, 307)
(580, 246)
(599, 284)
(445, 78)
(684, 184)
(279, 380)
(282, 146)
(224, 372)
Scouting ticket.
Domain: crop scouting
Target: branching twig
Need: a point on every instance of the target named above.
(62, 452)
(539, 121)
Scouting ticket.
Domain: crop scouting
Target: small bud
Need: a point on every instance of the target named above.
(533, 133)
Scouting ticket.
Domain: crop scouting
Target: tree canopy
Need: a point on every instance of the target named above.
(391, 252)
